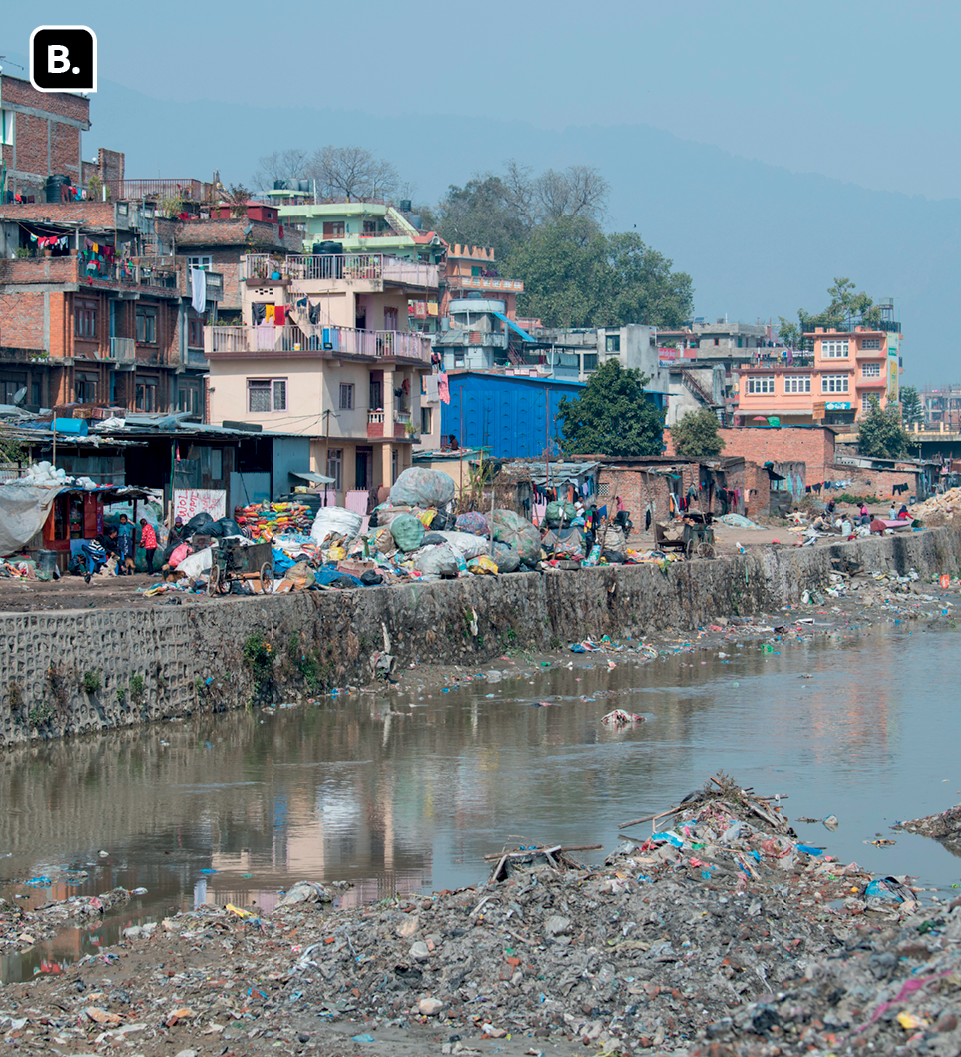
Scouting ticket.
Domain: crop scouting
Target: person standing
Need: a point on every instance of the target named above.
(892, 513)
(125, 541)
(148, 540)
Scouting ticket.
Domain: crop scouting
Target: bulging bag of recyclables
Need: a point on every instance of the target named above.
(438, 561)
(335, 521)
(408, 532)
(421, 487)
(507, 560)
(468, 544)
(519, 534)
(559, 511)
(472, 521)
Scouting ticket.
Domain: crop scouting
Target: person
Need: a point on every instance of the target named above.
(863, 512)
(619, 503)
(830, 507)
(148, 540)
(125, 541)
(903, 514)
(892, 514)
(99, 550)
(176, 533)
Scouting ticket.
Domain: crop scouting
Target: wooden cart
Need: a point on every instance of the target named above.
(234, 561)
(668, 535)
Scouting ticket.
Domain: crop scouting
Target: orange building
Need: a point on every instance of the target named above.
(835, 384)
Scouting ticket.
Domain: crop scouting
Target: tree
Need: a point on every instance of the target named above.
(911, 409)
(290, 164)
(481, 213)
(353, 172)
(612, 416)
(576, 276)
(847, 309)
(880, 433)
(697, 434)
(236, 196)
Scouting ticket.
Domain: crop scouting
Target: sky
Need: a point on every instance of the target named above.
(738, 137)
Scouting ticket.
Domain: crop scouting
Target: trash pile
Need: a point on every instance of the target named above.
(45, 474)
(720, 934)
(267, 520)
(944, 826)
(944, 505)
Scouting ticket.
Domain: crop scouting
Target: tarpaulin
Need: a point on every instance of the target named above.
(23, 510)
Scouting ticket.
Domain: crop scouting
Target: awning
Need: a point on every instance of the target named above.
(313, 478)
(510, 322)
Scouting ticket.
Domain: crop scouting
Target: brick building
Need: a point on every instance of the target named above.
(40, 134)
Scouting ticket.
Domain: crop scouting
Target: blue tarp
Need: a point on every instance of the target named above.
(510, 322)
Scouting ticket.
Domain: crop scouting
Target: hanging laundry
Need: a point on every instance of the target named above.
(270, 314)
(279, 311)
(313, 314)
(443, 388)
(258, 311)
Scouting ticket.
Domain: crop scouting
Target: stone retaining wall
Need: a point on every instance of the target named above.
(79, 671)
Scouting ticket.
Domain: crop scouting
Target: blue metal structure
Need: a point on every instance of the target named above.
(512, 415)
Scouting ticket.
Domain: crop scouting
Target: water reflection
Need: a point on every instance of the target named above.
(231, 808)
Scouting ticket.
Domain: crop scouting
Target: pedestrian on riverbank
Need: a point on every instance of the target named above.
(148, 540)
(893, 513)
(125, 542)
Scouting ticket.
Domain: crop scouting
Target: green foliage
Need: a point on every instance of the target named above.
(846, 309)
(856, 500)
(911, 409)
(612, 416)
(576, 276)
(258, 656)
(138, 687)
(481, 213)
(697, 434)
(12, 451)
(121, 696)
(880, 433)
(91, 682)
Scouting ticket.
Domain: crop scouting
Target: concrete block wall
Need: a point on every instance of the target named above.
(158, 662)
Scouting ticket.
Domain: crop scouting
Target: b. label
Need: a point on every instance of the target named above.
(63, 59)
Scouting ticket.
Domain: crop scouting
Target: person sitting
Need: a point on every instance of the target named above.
(903, 514)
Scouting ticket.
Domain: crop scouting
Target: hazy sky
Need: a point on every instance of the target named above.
(862, 92)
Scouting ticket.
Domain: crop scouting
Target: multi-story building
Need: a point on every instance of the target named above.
(325, 350)
(836, 384)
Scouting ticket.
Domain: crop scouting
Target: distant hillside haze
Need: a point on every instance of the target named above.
(759, 241)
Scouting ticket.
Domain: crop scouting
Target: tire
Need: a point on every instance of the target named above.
(705, 550)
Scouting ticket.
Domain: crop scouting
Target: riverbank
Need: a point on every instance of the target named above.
(722, 935)
(84, 671)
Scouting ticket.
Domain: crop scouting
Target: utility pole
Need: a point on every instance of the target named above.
(547, 433)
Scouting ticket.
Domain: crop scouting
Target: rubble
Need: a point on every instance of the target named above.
(719, 935)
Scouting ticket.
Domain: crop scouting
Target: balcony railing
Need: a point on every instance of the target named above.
(329, 342)
(478, 282)
(123, 350)
(378, 424)
(187, 190)
(330, 266)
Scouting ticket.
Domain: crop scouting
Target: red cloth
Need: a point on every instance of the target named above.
(148, 538)
(278, 315)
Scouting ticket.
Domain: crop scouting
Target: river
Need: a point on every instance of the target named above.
(234, 807)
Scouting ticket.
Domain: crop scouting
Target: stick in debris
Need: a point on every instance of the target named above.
(653, 818)
(534, 851)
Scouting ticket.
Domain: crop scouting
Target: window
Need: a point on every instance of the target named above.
(870, 370)
(834, 383)
(6, 127)
(390, 318)
(200, 262)
(868, 401)
(333, 229)
(10, 388)
(612, 343)
(34, 394)
(146, 326)
(870, 343)
(189, 399)
(761, 384)
(195, 333)
(335, 458)
(798, 385)
(147, 395)
(266, 394)
(376, 399)
(834, 350)
(85, 319)
(85, 388)
(425, 419)
(346, 397)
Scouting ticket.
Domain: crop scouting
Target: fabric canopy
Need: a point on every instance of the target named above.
(23, 510)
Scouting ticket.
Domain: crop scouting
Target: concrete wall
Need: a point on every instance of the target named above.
(159, 662)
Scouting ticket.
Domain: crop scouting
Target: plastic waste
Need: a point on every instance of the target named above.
(421, 487)
(408, 532)
(335, 521)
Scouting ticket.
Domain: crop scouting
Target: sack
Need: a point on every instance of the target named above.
(226, 526)
(408, 532)
(614, 557)
(437, 561)
(559, 511)
(570, 544)
(433, 539)
(519, 534)
(472, 522)
(198, 524)
(507, 560)
(194, 565)
(370, 578)
(178, 555)
(335, 521)
(421, 487)
(384, 542)
(468, 544)
(483, 566)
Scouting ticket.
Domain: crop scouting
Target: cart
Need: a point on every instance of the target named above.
(698, 540)
(233, 561)
(668, 536)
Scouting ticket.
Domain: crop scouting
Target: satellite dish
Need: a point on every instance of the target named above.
(19, 395)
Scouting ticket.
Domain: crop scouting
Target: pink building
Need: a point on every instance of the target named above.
(833, 385)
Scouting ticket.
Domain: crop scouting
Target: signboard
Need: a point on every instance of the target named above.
(193, 501)
(892, 379)
(837, 405)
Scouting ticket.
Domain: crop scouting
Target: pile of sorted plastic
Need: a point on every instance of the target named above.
(267, 520)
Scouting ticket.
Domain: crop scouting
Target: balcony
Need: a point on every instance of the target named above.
(871, 354)
(478, 282)
(214, 285)
(325, 342)
(187, 190)
(326, 267)
(878, 382)
(122, 350)
(378, 420)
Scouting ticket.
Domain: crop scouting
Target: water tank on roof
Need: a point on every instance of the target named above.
(303, 185)
(280, 185)
(328, 246)
(405, 205)
(52, 187)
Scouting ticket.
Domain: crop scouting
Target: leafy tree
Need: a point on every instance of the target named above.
(576, 276)
(846, 309)
(236, 196)
(911, 409)
(880, 433)
(697, 434)
(481, 213)
(612, 416)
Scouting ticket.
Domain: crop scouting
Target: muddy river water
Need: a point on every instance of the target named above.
(232, 808)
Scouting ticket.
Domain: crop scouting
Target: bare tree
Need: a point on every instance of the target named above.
(519, 194)
(578, 191)
(290, 164)
(353, 172)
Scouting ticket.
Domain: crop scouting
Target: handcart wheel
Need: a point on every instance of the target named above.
(706, 550)
(213, 580)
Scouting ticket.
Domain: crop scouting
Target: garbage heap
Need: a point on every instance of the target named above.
(939, 507)
(719, 935)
